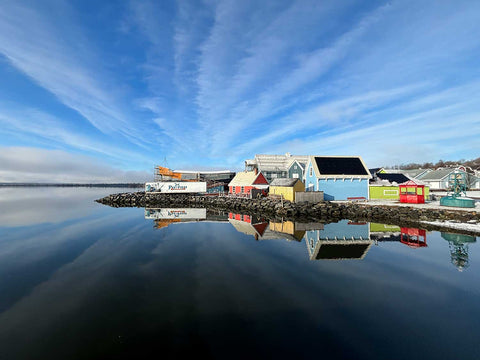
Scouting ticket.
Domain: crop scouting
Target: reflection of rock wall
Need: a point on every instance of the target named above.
(404, 215)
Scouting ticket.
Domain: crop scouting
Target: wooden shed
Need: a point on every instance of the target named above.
(244, 182)
(286, 188)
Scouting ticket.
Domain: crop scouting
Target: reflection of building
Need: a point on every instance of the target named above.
(339, 241)
(247, 224)
(166, 216)
(458, 245)
(384, 232)
(415, 238)
(287, 230)
(260, 229)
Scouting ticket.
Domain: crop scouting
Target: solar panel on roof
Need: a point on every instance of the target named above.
(398, 178)
(340, 166)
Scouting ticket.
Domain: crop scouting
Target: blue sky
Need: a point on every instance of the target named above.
(103, 90)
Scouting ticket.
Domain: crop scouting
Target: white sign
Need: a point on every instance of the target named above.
(176, 187)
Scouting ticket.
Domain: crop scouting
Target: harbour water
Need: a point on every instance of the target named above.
(79, 280)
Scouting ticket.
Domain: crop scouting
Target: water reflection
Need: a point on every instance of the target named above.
(248, 224)
(333, 241)
(339, 241)
(414, 238)
(164, 217)
(106, 285)
(458, 245)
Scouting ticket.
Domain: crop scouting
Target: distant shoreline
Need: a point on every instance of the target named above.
(129, 185)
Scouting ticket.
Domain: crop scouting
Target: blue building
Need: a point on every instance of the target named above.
(339, 177)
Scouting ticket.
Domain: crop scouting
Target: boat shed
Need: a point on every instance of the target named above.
(244, 181)
(286, 188)
(339, 177)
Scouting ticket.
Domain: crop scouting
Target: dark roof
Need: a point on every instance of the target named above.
(398, 178)
(374, 170)
(340, 165)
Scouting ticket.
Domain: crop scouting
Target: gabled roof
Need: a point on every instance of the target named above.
(398, 178)
(412, 183)
(284, 182)
(339, 166)
(248, 178)
(375, 170)
(295, 161)
(438, 174)
(267, 162)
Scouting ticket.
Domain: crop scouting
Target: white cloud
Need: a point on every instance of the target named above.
(22, 164)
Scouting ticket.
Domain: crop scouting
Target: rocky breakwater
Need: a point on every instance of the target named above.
(328, 211)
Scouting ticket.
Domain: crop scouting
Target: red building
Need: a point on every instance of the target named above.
(244, 182)
(411, 192)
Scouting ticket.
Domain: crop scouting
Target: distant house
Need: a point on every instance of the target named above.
(438, 179)
(245, 181)
(475, 182)
(339, 177)
(286, 188)
(296, 170)
(278, 166)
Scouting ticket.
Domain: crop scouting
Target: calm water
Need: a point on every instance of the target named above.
(79, 280)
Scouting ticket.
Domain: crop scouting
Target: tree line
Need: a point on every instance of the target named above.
(474, 164)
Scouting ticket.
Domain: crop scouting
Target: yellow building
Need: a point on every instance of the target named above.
(286, 188)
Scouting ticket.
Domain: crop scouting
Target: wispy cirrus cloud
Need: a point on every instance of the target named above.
(57, 55)
(214, 82)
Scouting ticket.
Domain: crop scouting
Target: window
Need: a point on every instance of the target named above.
(390, 192)
(242, 189)
(311, 171)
